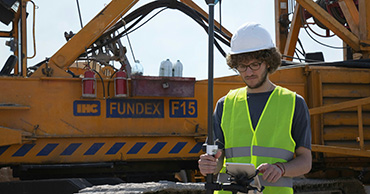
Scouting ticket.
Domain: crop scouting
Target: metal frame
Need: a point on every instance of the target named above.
(340, 106)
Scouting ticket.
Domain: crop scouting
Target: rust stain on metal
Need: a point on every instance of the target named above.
(73, 127)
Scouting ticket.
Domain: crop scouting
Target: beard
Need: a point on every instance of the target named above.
(260, 82)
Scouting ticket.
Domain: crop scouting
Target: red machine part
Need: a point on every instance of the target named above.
(89, 84)
(120, 84)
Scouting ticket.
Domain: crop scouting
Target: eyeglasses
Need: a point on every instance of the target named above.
(254, 67)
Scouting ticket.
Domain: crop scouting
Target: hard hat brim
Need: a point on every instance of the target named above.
(252, 50)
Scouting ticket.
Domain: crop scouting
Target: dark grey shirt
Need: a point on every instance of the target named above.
(301, 127)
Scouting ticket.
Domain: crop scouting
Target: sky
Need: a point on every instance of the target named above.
(170, 35)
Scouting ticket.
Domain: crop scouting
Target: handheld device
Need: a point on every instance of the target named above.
(244, 169)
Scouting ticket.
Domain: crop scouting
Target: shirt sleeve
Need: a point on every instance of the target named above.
(217, 116)
(301, 126)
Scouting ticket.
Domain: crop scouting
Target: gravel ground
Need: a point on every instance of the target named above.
(150, 187)
(162, 187)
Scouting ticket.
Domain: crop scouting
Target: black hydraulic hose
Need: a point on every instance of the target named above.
(109, 82)
(102, 81)
(146, 9)
(141, 12)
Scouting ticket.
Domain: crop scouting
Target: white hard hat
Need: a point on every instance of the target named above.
(250, 37)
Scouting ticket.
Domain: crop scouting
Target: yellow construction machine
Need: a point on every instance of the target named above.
(74, 115)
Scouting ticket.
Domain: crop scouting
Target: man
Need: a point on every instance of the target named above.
(263, 124)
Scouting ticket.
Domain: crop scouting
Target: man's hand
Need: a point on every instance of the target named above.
(208, 164)
(271, 172)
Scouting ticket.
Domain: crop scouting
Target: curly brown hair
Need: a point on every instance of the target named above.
(271, 57)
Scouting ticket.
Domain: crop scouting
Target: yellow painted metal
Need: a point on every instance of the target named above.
(48, 114)
(340, 150)
(281, 31)
(56, 109)
(345, 133)
(98, 149)
(65, 91)
(315, 100)
(339, 106)
(360, 127)
(33, 31)
(15, 31)
(292, 78)
(331, 23)
(66, 55)
(50, 70)
(345, 105)
(10, 136)
(364, 9)
(351, 14)
(358, 20)
(292, 38)
(50, 119)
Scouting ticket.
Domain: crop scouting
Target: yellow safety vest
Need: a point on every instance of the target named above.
(270, 142)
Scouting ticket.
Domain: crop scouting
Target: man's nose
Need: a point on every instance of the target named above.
(249, 71)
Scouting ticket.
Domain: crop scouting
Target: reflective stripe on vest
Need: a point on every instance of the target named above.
(259, 151)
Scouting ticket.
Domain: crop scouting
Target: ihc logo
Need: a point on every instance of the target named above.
(86, 108)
